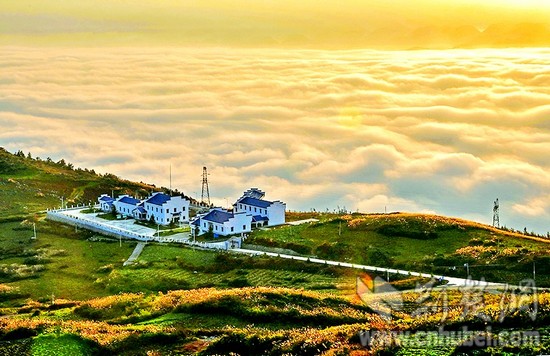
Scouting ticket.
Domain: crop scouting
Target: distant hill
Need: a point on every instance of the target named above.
(29, 185)
(416, 242)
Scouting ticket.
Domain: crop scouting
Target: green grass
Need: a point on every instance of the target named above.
(414, 242)
(60, 345)
(68, 275)
(163, 268)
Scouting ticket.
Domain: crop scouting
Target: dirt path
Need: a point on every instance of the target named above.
(134, 256)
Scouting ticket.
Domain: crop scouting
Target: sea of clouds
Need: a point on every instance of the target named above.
(426, 131)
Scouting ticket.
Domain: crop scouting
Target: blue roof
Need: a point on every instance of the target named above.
(140, 209)
(158, 199)
(196, 222)
(217, 216)
(257, 218)
(255, 202)
(129, 200)
(106, 198)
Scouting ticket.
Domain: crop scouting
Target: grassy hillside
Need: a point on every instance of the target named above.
(67, 292)
(257, 321)
(29, 185)
(417, 242)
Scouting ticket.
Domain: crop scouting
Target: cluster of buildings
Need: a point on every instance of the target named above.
(161, 208)
(250, 211)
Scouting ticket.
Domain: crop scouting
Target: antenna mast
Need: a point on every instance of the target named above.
(496, 218)
(205, 191)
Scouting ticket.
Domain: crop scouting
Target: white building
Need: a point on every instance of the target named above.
(264, 212)
(105, 203)
(125, 205)
(139, 212)
(222, 223)
(165, 209)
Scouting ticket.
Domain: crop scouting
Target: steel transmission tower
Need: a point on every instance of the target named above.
(496, 218)
(205, 194)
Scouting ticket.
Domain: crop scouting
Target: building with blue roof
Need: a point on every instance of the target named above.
(264, 212)
(125, 205)
(105, 203)
(162, 208)
(165, 209)
(139, 212)
(222, 223)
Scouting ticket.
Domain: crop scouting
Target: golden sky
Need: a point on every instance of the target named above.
(386, 24)
(319, 103)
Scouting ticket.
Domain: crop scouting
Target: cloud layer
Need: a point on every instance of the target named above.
(444, 132)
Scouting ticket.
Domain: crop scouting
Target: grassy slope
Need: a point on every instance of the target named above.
(76, 269)
(270, 321)
(417, 242)
(28, 185)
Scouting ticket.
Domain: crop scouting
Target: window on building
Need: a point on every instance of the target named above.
(222, 228)
(204, 224)
(183, 209)
(244, 227)
(216, 227)
(166, 210)
(254, 209)
(241, 206)
(174, 210)
(232, 229)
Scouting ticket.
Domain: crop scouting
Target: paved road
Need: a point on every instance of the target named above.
(452, 281)
(126, 224)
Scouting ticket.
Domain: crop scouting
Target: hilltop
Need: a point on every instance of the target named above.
(29, 185)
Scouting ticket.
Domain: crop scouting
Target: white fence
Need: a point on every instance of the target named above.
(109, 230)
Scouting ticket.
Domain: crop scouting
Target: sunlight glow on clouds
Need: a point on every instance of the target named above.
(445, 132)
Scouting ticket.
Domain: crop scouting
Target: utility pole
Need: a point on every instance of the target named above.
(34, 228)
(496, 213)
(205, 194)
(534, 272)
(467, 265)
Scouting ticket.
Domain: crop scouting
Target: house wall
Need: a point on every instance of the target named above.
(240, 223)
(163, 214)
(124, 209)
(276, 213)
(106, 207)
(250, 209)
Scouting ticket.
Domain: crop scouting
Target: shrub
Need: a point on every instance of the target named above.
(19, 333)
(239, 282)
